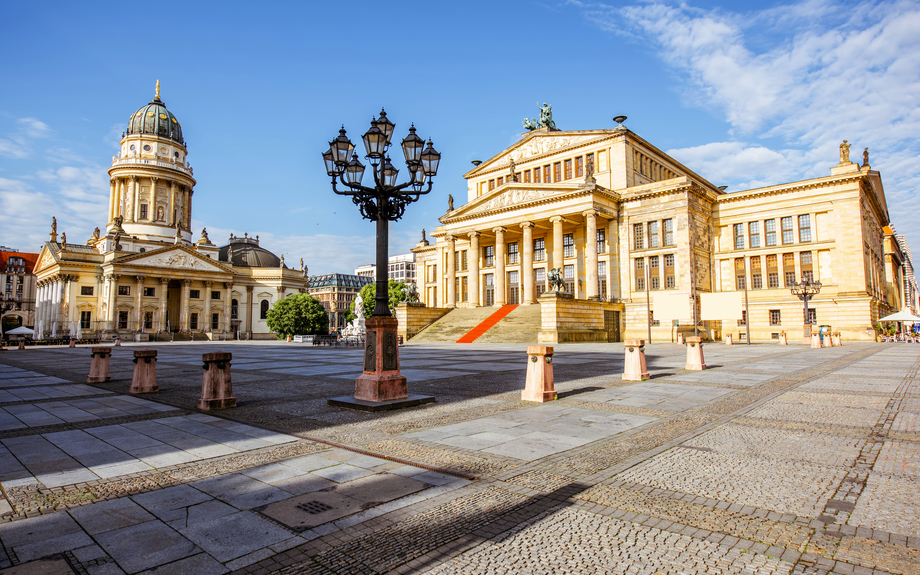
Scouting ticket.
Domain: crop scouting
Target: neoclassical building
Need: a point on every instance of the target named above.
(145, 274)
(625, 222)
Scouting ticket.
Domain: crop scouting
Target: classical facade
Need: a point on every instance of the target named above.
(336, 292)
(623, 220)
(145, 274)
(17, 283)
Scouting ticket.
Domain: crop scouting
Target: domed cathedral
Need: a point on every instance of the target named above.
(146, 277)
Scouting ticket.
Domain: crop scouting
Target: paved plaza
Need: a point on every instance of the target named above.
(773, 460)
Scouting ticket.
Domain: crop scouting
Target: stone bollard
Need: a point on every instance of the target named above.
(99, 368)
(680, 338)
(117, 341)
(695, 354)
(816, 340)
(145, 372)
(216, 391)
(634, 366)
(837, 339)
(782, 338)
(73, 343)
(539, 383)
(22, 344)
(728, 339)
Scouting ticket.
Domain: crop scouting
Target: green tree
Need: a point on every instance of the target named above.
(298, 314)
(369, 292)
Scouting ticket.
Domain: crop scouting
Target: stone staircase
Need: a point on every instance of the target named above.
(520, 326)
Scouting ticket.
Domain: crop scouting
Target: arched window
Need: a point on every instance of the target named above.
(264, 307)
(234, 309)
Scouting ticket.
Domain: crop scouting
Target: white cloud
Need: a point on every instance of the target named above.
(809, 74)
(19, 143)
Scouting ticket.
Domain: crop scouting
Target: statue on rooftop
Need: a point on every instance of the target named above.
(53, 225)
(866, 157)
(450, 203)
(844, 153)
(545, 120)
(511, 175)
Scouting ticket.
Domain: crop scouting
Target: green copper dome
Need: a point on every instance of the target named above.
(156, 120)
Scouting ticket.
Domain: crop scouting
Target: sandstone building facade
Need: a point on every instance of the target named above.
(623, 220)
(145, 274)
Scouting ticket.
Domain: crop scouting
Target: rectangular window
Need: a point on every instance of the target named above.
(805, 228)
(769, 227)
(788, 234)
(143, 211)
(557, 172)
(640, 274)
(465, 288)
(86, 290)
(124, 290)
(536, 175)
(568, 169)
(194, 294)
(739, 236)
(540, 275)
(653, 234)
(568, 272)
(500, 182)
(805, 261)
(654, 273)
(589, 160)
(601, 241)
(546, 179)
(122, 320)
(669, 232)
(215, 295)
(489, 257)
(579, 166)
(773, 280)
(491, 185)
(812, 316)
(148, 320)
(513, 253)
(193, 321)
(743, 320)
(754, 230)
(639, 235)
(86, 318)
(774, 317)
(568, 245)
(790, 278)
(539, 249)
(756, 273)
(463, 260)
(150, 292)
(526, 176)
(215, 321)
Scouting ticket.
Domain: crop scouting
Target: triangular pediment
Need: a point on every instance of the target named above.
(177, 258)
(537, 144)
(46, 258)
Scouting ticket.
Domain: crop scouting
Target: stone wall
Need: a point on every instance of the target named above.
(413, 317)
(566, 319)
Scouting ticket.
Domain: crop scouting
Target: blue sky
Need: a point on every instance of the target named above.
(744, 97)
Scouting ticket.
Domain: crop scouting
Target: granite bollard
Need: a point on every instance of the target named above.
(539, 383)
(73, 343)
(680, 338)
(695, 360)
(145, 372)
(816, 340)
(99, 368)
(782, 338)
(728, 339)
(837, 339)
(634, 366)
(22, 344)
(216, 390)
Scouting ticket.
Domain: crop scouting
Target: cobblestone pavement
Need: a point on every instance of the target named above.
(774, 460)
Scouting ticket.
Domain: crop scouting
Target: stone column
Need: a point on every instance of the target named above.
(451, 271)
(164, 290)
(527, 263)
(113, 198)
(139, 304)
(228, 300)
(591, 254)
(249, 309)
(151, 200)
(474, 269)
(613, 270)
(557, 242)
(110, 309)
(207, 305)
(183, 310)
(500, 296)
(136, 194)
(172, 204)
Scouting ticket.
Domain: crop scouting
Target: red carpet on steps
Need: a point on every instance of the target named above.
(486, 324)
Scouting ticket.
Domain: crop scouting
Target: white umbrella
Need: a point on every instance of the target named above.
(53, 330)
(73, 328)
(21, 330)
(902, 315)
(79, 330)
(38, 332)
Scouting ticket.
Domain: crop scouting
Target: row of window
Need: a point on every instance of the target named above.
(654, 272)
(773, 270)
(148, 292)
(461, 285)
(539, 250)
(653, 234)
(786, 231)
(9, 279)
(550, 173)
(86, 320)
(776, 317)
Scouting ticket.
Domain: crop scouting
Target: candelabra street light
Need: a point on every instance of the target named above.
(384, 202)
(805, 290)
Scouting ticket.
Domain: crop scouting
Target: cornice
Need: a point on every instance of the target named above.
(791, 187)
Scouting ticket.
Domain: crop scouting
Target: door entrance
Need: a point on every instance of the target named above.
(514, 288)
(490, 290)
(612, 325)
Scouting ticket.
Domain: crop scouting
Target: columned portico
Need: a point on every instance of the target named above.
(500, 296)
(527, 264)
(475, 297)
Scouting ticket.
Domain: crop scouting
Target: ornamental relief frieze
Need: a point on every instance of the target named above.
(511, 198)
(176, 261)
(543, 145)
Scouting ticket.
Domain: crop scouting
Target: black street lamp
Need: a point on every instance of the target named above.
(386, 201)
(805, 290)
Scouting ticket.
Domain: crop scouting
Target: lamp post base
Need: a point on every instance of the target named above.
(381, 380)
